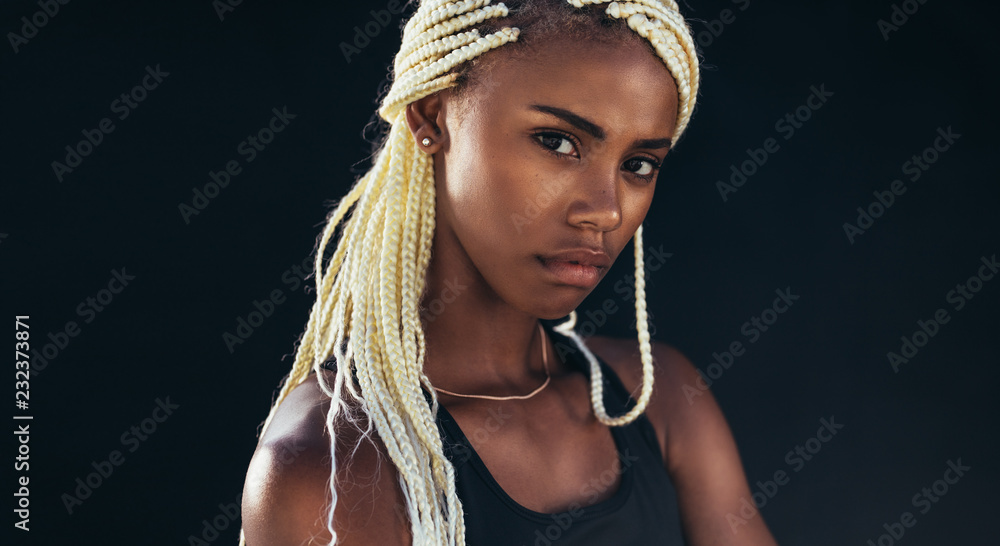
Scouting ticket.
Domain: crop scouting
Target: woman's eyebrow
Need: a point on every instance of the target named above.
(593, 129)
(579, 122)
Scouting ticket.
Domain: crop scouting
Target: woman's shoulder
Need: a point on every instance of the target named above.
(671, 368)
(698, 447)
(623, 355)
(676, 403)
(287, 496)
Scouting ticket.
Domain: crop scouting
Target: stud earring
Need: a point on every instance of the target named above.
(426, 141)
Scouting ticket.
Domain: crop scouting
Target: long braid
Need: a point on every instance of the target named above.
(645, 349)
(366, 313)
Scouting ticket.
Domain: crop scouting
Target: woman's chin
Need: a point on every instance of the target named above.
(557, 306)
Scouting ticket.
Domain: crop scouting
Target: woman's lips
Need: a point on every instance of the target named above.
(573, 274)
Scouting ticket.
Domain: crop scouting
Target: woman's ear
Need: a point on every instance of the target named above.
(425, 118)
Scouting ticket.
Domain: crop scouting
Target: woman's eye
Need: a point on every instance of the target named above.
(556, 142)
(561, 145)
(642, 166)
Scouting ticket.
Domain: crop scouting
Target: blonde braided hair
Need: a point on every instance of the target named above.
(366, 314)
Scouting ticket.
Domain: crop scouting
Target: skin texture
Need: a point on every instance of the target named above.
(515, 183)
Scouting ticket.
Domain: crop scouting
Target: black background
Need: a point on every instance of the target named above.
(162, 336)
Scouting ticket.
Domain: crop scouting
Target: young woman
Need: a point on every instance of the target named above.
(439, 395)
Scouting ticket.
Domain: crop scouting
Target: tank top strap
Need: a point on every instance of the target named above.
(617, 399)
(643, 510)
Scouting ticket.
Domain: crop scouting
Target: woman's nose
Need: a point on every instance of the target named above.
(596, 204)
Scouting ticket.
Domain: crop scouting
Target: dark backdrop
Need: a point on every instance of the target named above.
(168, 283)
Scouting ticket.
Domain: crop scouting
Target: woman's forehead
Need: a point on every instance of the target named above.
(620, 79)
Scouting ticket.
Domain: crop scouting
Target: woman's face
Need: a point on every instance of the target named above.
(549, 167)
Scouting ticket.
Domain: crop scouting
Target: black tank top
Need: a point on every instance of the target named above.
(643, 510)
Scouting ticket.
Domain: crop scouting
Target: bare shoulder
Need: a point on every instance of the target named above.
(286, 495)
(700, 453)
(623, 356)
(669, 410)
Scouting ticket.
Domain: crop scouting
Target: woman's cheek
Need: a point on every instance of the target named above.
(636, 206)
(506, 200)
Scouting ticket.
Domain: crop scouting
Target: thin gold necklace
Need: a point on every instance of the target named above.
(548, 377)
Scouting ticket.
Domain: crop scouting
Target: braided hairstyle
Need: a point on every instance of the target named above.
(366, 314)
